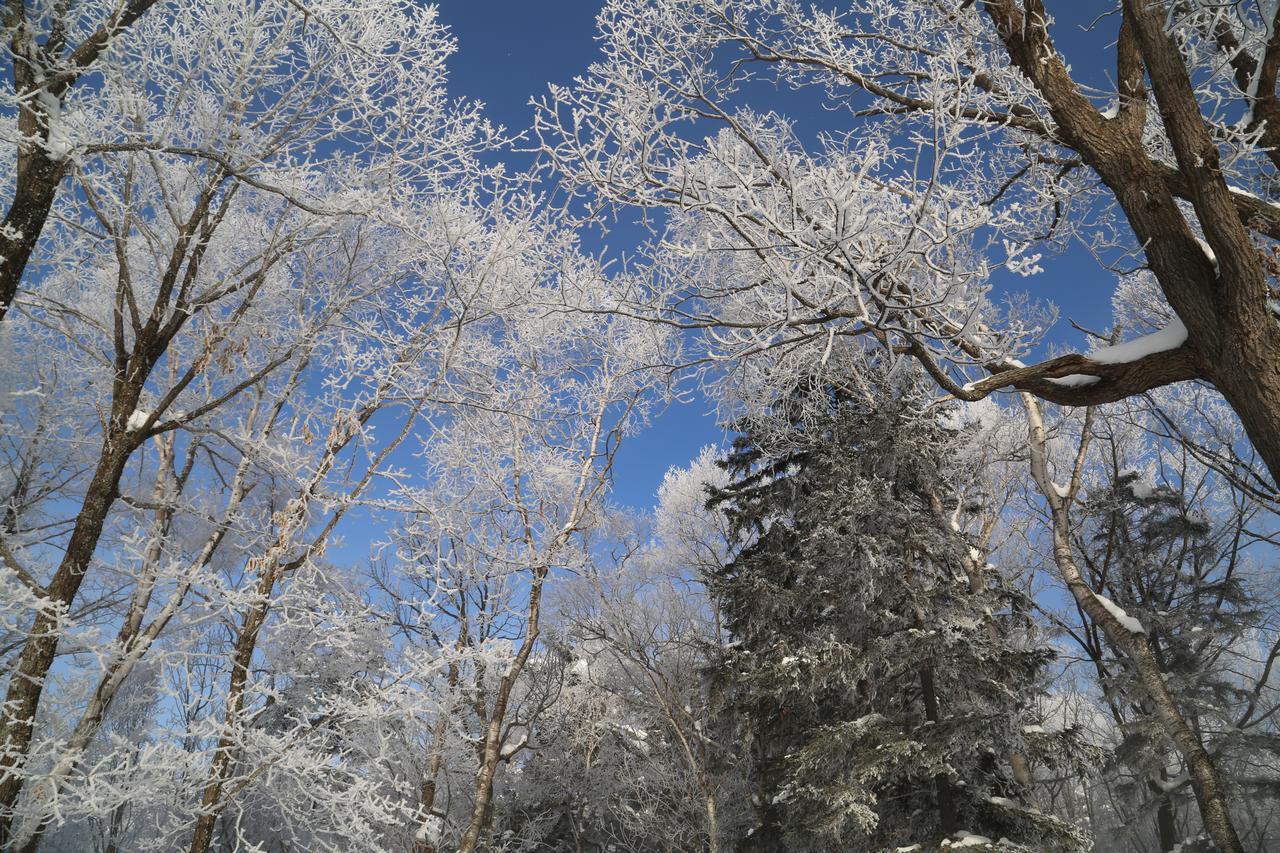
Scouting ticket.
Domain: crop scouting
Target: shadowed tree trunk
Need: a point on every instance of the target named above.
(941, 784)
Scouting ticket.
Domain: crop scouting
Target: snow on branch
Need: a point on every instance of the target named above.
(1130, 624)
(1170, 337)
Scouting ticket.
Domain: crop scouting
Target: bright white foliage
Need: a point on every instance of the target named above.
(387, 415)
(362, 288)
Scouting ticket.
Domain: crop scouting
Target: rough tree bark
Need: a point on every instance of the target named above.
(1233, 341)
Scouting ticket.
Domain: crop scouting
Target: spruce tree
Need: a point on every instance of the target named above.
(878, 677)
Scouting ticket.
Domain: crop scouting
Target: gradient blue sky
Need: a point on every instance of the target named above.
(509, 50)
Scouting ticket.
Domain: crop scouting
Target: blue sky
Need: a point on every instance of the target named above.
(510, 50)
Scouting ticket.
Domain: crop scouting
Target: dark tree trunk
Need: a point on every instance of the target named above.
(38, 175)
(947, 817)
(1166, 824)
(36, 185)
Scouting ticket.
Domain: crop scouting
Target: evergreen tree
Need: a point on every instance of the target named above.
(879, 671)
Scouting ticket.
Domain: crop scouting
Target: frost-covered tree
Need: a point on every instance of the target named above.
(960, 139)
(49, 49)
(512, 495)
(879, 675)
(613, 766)
(269, 93)
(649, 628)
(217, 333)
(269, 319)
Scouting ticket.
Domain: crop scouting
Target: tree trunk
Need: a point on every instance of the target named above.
(26, 684)
(1166, 823)
(1205, 780)
(38, 175)
(713, 824)
(132, 371)
(113, 833)
(211, 803)
(1232, 337)
(270, 566)
(942, 785)
(485, 775)
(1248, 376)
(975, 571)
(696, 767)
(427, 799)
(37, 184)
(1022, 775)
(493, 735)
(115, 674)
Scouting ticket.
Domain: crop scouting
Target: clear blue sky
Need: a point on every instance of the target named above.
(509, 50)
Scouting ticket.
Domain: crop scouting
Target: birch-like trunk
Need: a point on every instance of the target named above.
(1205, 779)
